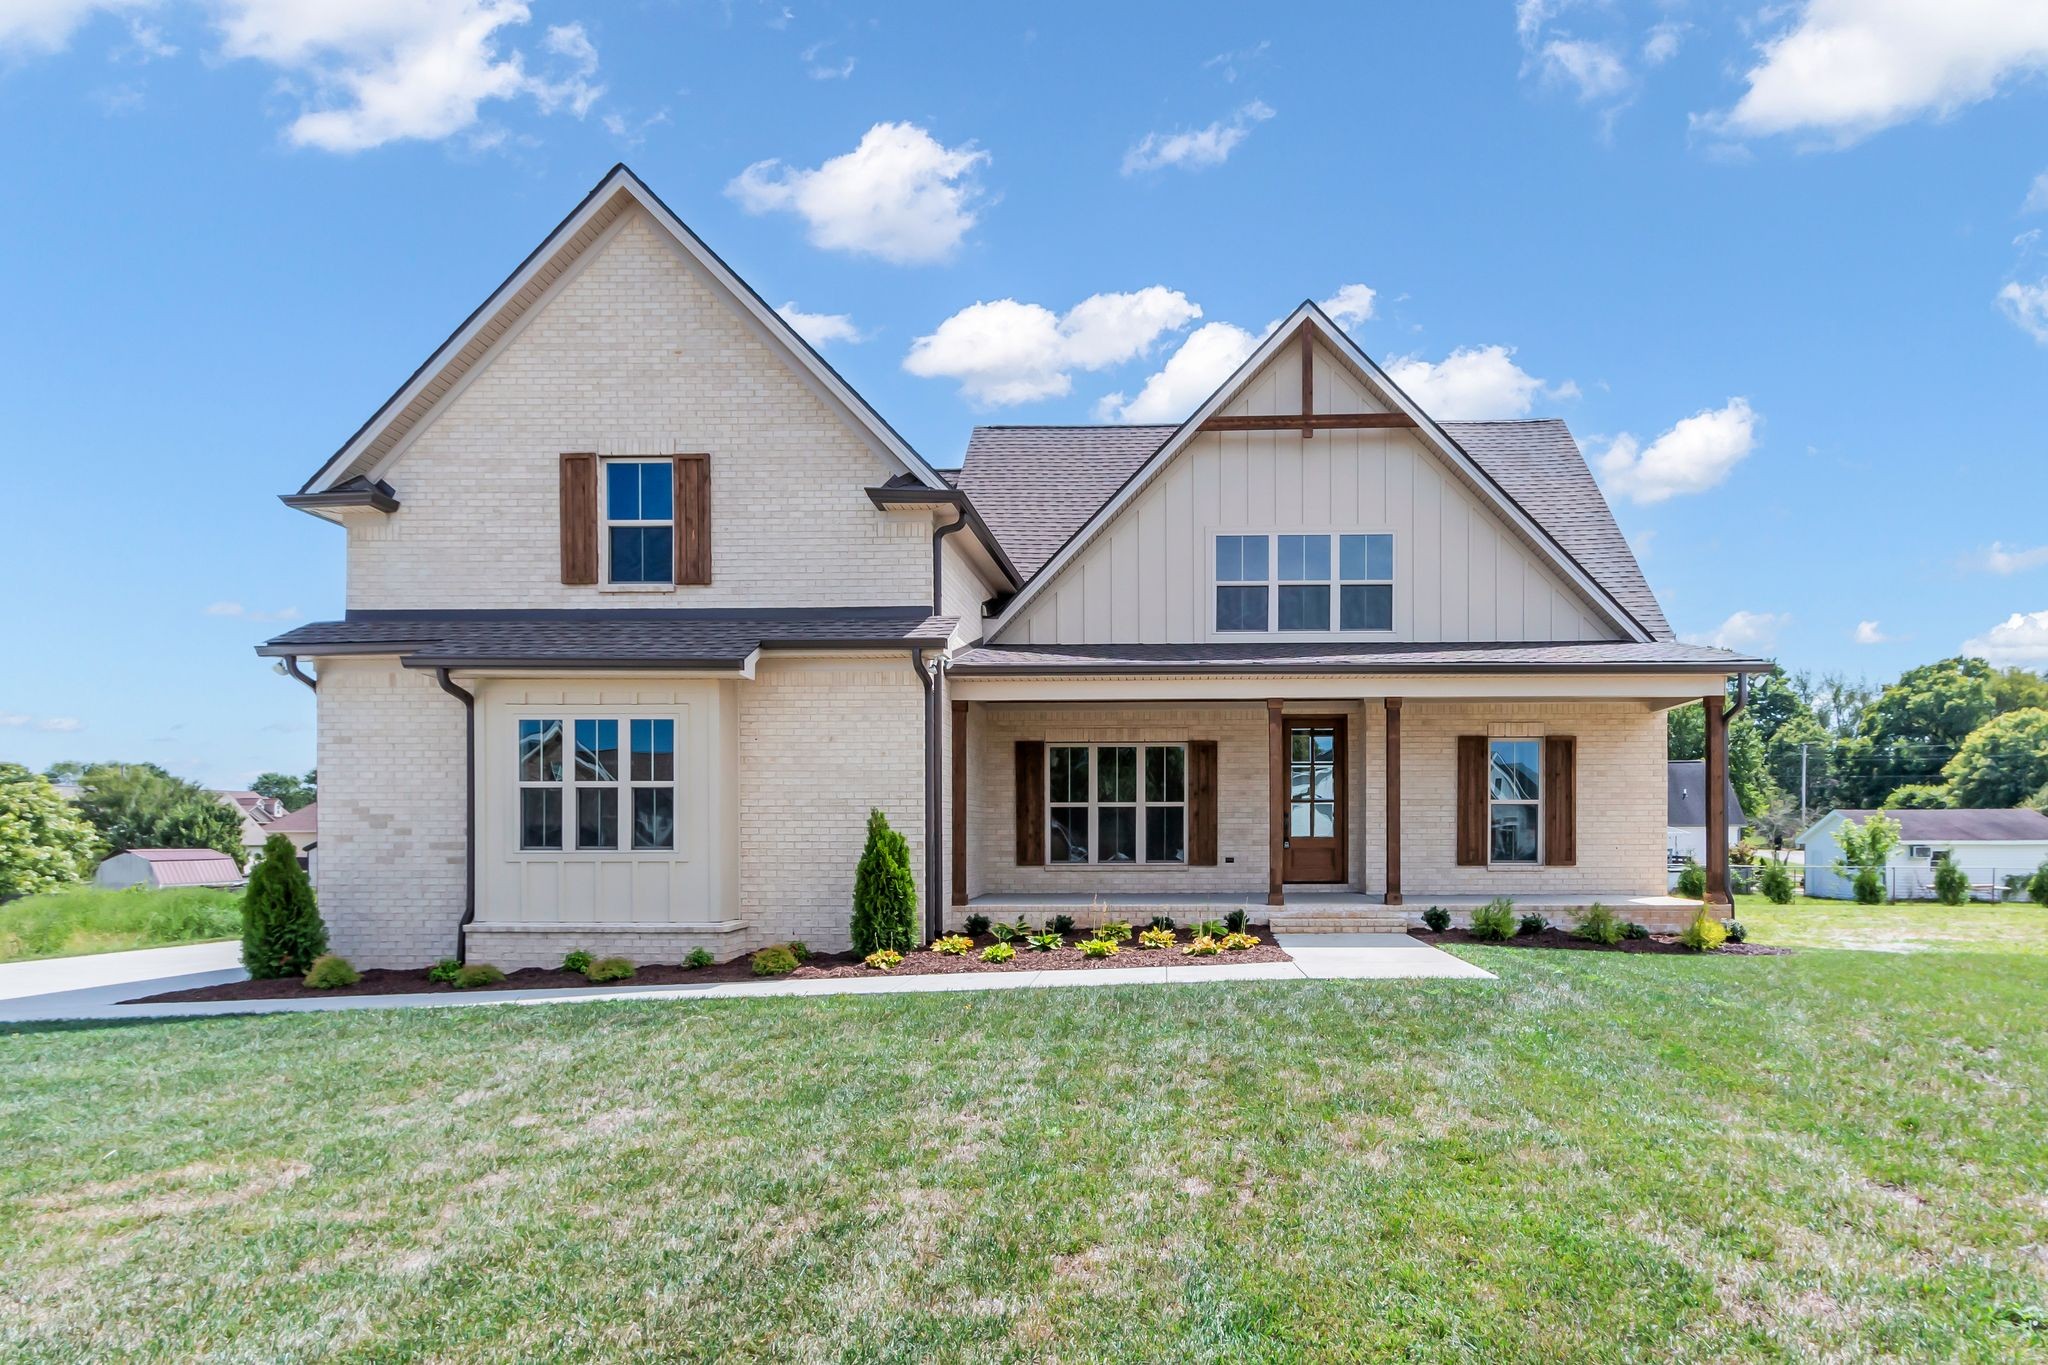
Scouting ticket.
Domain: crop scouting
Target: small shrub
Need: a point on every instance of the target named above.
(952, 945)
(1494, 920)
(1161, 922)
(1532, 924)
(1116, 931)
(1951, 883)
(1692, 880)
(884, 891)
(1061, 925)
(1436, 919)
(282, 931)
(1156, 937)
(475, 974)
(444, 972)
(1046, 942)
(1210, 928)
(1097, 947)
(609, 969)
(1238, 942)
(1775, 881)
(799, 950)
(977, 925)
(998, 952)
(699, 957)
(1869, 887)
(1235, 921)
(1203, 945)
(1704, 934)
(1598, 924)
(1634, 931)
(2037, 885)
(1005, 932)
(775, 961)
(1736, 933)
(578, 961)
(330, 970)
(883, 960)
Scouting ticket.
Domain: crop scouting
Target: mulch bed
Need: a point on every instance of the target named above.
(924, 962)
(1560, 938)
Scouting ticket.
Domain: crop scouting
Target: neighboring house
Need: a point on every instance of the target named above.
(258, 813)
(1685, 811)
(1990, 845)
(647, 607)
(301, 826)
(167, 867)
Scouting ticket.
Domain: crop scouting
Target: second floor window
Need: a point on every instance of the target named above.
(640, 521)
(1313, 583)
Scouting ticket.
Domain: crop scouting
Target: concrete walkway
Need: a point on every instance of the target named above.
(74, 991)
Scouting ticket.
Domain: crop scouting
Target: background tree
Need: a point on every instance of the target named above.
(44, 842)
(1919, 796)
(1913, 728)
(295, 792)
(1802, 747)
(2002, 762)
(282, 931)
(1865, 848)
(2018, 689)
(139, 805)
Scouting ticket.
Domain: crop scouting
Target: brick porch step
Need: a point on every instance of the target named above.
(1377, 919)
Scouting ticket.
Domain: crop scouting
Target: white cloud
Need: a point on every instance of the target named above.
(2001, 560)
(1228, 62)
(379, 71)
(2027, 306)
(824, 70)
(2020, 638)
(1209, 356)
(1641, 542)
(1753, 630)
(1693, 456)
(1474, 383)
(2037, 195)
(240, 612)
(43, 26)
(1661, 45)
(12, 720)
(898, 195)
(1009, 352)
(60, 725)
(1594, 68)
(820, 329)
(1867, 633)
(1202, 147)
(1848, 68)
(1350, 305)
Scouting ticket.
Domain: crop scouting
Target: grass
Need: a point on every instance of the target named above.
(87, 919)
(1596, 1157)
(1909, 927)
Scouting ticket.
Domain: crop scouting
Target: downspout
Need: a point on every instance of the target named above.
(934, 859)
(290, 664)
(468, 700)
(1741, 696)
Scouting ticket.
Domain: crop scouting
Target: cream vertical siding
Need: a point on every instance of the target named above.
(636, 353)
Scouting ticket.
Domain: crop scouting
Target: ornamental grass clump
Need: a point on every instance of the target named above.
(1598, 924)
(952, 945)
(281, 927)
(884, 892)
(1155, 937)
(1495, 920)
(330, 970)
(1705, 934)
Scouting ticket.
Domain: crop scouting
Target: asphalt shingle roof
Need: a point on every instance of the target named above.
(1685, 796)
(1960, 826)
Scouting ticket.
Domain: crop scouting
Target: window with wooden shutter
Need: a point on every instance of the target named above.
(1472, 815)
(1202, 802)
(693, 520)
(579, 518)
(1561, 801)
(1030, 802)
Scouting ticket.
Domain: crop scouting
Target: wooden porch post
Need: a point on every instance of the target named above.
(1716, 708)
(959, 803)
(1276, 755)
(1393, 801)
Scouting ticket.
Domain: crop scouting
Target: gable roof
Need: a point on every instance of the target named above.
(1952, 826)
(469, 344)
(304, 820)
(1685, 796)
(1491, 491)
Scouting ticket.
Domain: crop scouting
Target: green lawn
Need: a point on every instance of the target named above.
(86, 919)
(1830, 1154)
(1906, 928)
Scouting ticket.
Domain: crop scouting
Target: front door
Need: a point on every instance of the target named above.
(1312, 839)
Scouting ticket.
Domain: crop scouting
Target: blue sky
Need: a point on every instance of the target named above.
(1781, 267)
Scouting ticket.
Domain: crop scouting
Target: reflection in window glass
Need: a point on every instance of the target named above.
(1514, 789)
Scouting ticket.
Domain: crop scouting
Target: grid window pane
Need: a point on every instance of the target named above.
(1240, 608)
(1513, 769)
(1325, 826)
(1379, 557)
(1351, 557)
(626, 559)
(1116, 774)
(1166, 773)
(657, 490)
(540, 751)
(597, 751)
(1304, 557)
(654, 817)
(1069, 773)
(597, 817)
(1514, 834)
(540, 817)
(1229, 558)
(621, 490)
(1305, 607)
(654, 751)
(1366, 606)
(1067, 835)
(1166, 835)
(1117, 831)
(1298, 818)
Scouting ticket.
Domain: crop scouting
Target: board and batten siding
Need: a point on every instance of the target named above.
(1460, 572)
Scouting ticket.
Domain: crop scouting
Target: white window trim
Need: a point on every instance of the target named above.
(1139, 806)
(1535, 805)
(605, 523)
(568, 786)
(1336, 583)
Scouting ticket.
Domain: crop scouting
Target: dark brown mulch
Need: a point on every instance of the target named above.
(924, 962)
(1560, 938)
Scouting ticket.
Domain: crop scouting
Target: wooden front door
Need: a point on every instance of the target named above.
(1315, 819)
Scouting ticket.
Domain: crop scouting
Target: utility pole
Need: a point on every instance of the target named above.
(1802, 782)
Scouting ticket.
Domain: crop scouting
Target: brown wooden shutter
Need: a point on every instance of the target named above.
(579, 518)
(1471, 800)
(1030, 802)
(1561, 801)
(1202, 803)
(693, 520)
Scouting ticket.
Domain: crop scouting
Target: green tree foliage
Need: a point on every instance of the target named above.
(44, 842)
(1919, 796)
(1782, 761)
(2003, 762)
(295, 792)
(139, 805)
(1951, 883)
(1685, 732)
(282, 932)
(884, 892)
(1865, 847)
(2018, 689)
(1914, 727)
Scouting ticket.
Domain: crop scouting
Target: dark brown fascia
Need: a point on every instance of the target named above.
(378, 497)
(907, 495)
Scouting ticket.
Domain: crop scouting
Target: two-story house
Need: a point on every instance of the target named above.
(647, 607)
